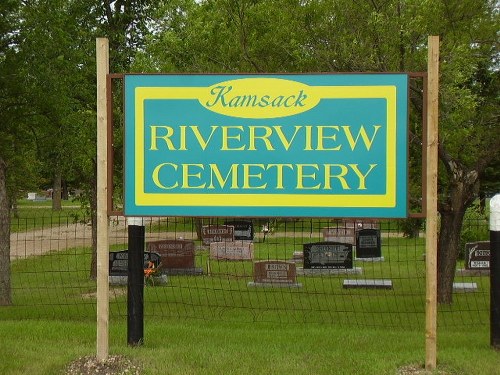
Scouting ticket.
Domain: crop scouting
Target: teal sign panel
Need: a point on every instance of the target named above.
(312, 145)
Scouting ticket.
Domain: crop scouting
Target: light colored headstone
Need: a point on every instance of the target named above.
(236, 250)
(368, 284)
(344, 235)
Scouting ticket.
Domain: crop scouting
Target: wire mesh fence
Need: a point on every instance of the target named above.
(289, 271)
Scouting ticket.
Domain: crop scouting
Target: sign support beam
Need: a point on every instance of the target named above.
(431, 209)
(102, 61)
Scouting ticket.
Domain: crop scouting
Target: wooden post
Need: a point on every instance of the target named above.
(102, 61)
(431, 210)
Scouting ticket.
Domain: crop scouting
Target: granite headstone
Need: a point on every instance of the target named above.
(118, 262)
(243, 229)
(477, 255)
(368, 243)
(216, 233)
(237, 250)
(325, 255)
(177, 256)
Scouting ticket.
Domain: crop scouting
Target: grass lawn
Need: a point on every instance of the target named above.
(216, 324)
(32, 215)
(175, 346)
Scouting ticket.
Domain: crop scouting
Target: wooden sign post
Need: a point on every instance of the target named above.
(431, 209)
(102, 61)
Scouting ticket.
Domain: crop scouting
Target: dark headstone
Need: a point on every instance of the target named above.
(216, 233)
(118, 262)
(243, 229)
(177, 256)
(326, 255)
(274, 271)
(368, 243)
(477, 255)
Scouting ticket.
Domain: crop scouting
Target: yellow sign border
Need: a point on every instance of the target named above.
(387, 200)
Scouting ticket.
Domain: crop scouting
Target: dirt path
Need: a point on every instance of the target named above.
(57, 238)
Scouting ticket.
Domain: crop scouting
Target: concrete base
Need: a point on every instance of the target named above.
(329, 271)
(118, 280)
(465, 272)
(252, 284)
(123, 280)
(464, 287)
(368, 284)
(183, 271)
(375, 259)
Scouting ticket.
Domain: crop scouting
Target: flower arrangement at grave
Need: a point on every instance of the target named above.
(150, 272)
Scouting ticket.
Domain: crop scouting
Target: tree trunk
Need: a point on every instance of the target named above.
(462, 191)
(448, 250)
(198, 223)
(5, 289)
(56, 194)
(64, 190)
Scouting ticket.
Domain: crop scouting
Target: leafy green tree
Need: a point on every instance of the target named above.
(13, 139)
(347, 36)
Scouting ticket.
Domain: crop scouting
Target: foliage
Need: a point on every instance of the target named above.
(475, 228)
(47, 75)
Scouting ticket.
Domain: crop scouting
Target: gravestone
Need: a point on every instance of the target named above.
(368, 244)
(367, 284)
(333, 255)
(118, 262)
(216, 233)
(477, 256)
(360, 224)
(177, 256)
(275, 273)
(298, 257)
(340, 234)
(243, 229)
(237, 250)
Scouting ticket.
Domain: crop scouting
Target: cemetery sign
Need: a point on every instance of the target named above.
(317, 145)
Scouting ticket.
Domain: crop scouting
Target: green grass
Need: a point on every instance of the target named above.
(216, 324)
(32, 215)
(174, 346)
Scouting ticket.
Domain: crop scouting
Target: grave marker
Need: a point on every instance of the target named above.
(217, 233)
(243, 229)
(334, 255)
(275, 273)
(240, 250)
(341, 234)
(477, 255)
(368, 244)
(177, 256)
(118, 262)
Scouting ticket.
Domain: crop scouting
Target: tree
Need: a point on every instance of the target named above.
(8, 144)
(378, 36)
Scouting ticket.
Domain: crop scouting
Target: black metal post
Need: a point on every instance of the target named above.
(135, 285)
(495, 272)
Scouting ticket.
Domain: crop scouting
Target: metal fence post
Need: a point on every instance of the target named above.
(135, 283)
(495, 271)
